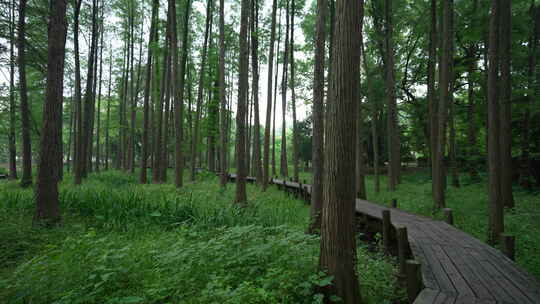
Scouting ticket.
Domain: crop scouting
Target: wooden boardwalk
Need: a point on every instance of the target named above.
(456, 268)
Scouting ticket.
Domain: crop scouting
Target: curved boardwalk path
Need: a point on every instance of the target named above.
(456, 268)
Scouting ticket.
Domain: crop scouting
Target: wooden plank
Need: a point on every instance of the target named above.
(427, 296)
(478, 281)
(428, 275)
(498, 281)
(461, 285)
(438, 271)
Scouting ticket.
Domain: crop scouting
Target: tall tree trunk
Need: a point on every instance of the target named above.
(472, 149)
(78, 138)
(338, 245)
(293, 95)
(241, 196)
(195, 137)
(266, 152)
(108, 117)
(26, 179)
(159, 100)
(132, 99)
(143, 176)
(222, 97)
(98, 118)
(505, 104)
(12, 109)
(452, 149)
(496, 211)
(439, 177)
(284, 169)
(274, 171)
(179, 102)
(47, 203)
(394, 162)
(89, 97)
(257, 166)
(318, 119)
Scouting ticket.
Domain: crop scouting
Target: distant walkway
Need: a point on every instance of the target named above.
(456, 268)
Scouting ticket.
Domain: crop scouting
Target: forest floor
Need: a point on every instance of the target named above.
(469, 205)
(121, 242)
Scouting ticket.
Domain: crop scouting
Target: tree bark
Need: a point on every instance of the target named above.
(108, 116)
(241, 196)
(318, 119)
(293, 99)
(284, 169)
(222, 98)
(47, 204)
(12, 106)
(505, 104)
(496, 212)
(143, 176)
(394, 160)
(98, 118)
(89, 98)
(266, 152)
(274, 171)
(257, 166)
(338, 245)
(179, 103)
(26, 179)
(439, 177)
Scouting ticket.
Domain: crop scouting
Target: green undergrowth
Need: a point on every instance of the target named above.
(469, 205)
(121, 242)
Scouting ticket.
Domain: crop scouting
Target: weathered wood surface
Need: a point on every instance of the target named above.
(456, 267)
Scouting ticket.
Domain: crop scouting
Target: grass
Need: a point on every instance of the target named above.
(121, 242)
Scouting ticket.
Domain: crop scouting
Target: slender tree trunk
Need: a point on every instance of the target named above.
(505, 104)
(108, 117)
(143, 176)
(195, 137)
(26, 180)
(257, 166)
(472, 150)
(452, 151)
(338, 245)
(89, 98)
(293, 95)
(318, 119)
(442, 107)
(284, 169)
(159, 99)
(47, 203)
(241, 196)
(98, 118)
(222, 97)
(394, 162)
(132, 98)
(274, 171)
(179, 102)
(266, 152)
(431, 96)
(496, 212)
(12, 106)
